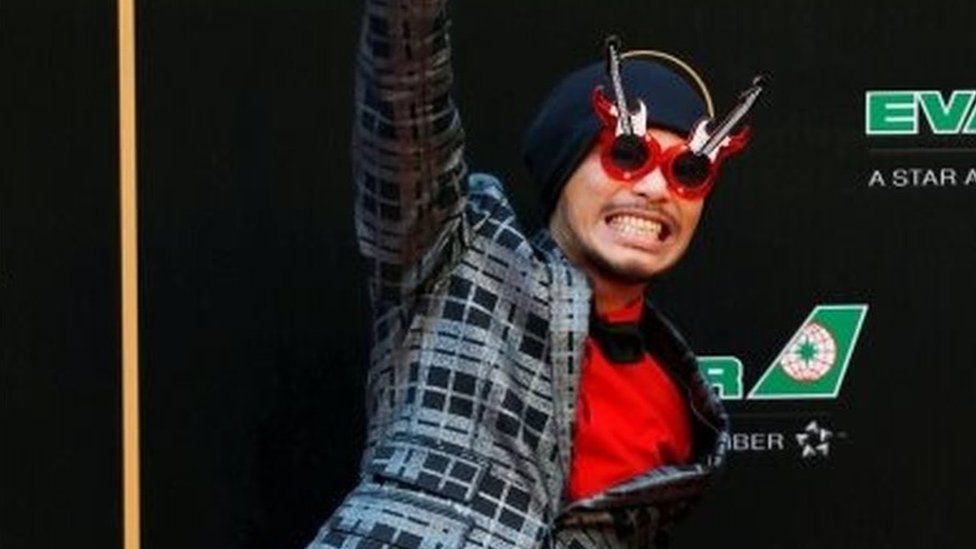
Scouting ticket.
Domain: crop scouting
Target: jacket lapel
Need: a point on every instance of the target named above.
(570, 306)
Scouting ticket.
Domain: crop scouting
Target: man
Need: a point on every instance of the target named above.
(523, 393)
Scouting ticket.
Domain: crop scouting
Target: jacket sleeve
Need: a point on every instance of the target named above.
(407, 147)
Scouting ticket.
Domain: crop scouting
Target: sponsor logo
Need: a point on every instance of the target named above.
(915, 177)
(811, 442)
(811, 365)
(913, 123)
(766, 441)
(814, 441)
(904, 112)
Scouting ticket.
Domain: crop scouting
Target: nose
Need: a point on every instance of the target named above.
(652, 186)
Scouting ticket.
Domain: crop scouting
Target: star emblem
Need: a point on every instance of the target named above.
(814, 440)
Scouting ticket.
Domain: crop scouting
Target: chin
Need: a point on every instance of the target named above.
(630, 270)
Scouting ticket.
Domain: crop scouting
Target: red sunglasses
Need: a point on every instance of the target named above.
(628, 152)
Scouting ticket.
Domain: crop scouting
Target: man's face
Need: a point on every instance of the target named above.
(627, 232)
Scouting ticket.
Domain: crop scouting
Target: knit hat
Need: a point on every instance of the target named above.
(566, 127)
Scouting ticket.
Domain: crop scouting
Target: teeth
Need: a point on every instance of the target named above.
(629, 224)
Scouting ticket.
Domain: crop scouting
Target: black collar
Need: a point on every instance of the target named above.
(621, 342)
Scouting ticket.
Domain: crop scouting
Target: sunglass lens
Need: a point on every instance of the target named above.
(629, 152)
(691, 170)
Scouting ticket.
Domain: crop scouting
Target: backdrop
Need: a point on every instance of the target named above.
(829, 289)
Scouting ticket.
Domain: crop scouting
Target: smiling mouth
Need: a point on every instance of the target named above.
(632, 225)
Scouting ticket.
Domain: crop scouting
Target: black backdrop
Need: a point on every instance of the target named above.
(60, 414)
(253, 312)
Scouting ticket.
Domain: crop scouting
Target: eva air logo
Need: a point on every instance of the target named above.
(811, 365)
(889, 112)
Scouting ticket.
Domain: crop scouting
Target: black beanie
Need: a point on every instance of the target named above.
(567, 126)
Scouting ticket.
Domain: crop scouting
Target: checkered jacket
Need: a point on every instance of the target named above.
(478, 334)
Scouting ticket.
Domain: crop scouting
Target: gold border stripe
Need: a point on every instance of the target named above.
(130, 275)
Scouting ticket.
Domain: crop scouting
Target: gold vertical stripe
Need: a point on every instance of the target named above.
(130, 275)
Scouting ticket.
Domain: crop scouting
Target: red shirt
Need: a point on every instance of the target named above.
(630, 418)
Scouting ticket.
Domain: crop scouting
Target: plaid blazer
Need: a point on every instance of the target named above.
(478, 334)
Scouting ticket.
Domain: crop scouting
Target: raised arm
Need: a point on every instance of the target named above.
(407, 146)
